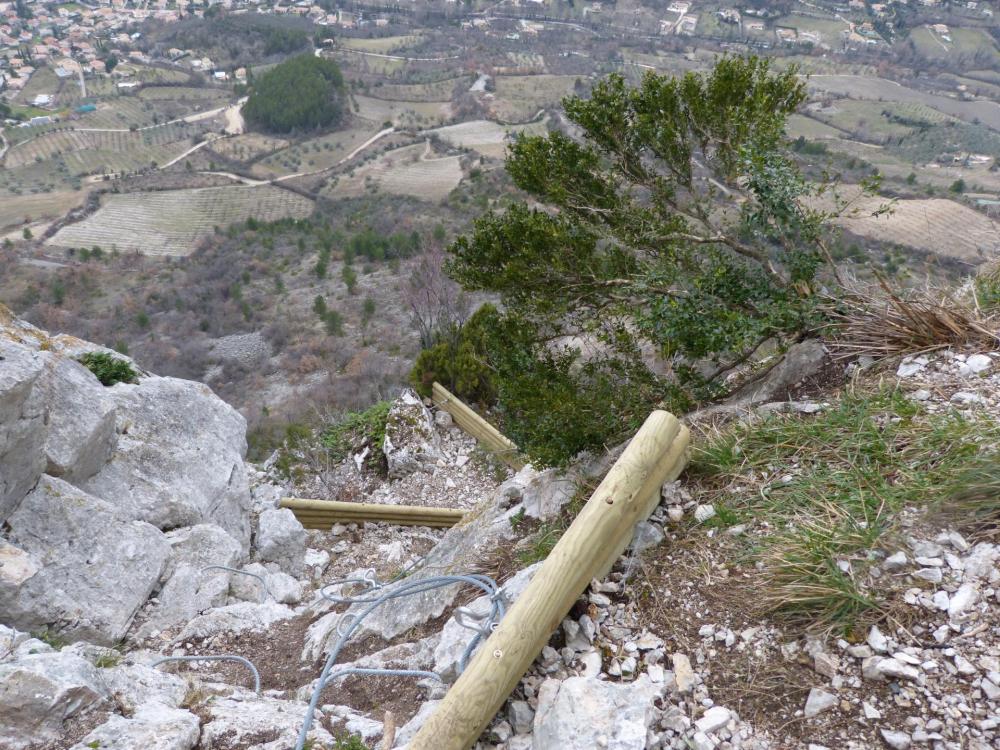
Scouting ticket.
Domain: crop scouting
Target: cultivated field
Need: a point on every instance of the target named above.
(411, 170)
(314, 154)
(84, 150)
(384, 46)
(171, 222)
(401, 113)
(934, 225)
(438, 91)
(19, 209)
(881, 89)
(485, 136)
(518, 98)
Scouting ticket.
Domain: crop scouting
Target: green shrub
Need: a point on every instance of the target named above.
(109, 369)
(356, 430)
(460, 362)
(677, 224)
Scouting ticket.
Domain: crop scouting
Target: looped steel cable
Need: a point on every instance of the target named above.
(405, 588)
(221, 657)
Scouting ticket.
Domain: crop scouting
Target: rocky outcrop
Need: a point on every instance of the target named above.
(90, 479)
(22, 424)
(151, 727)
(281, 540)
(411, 442)
(179, 458)
(583, 712)
(80, 568)
(38, 692)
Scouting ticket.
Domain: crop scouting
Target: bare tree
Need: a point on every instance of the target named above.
(437, 304)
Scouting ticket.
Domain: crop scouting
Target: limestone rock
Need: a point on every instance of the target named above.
(81, 430)
(39, 692)
(179, 458)
(133, 685)
(22, 423)
(411, 443)
(281, 539)
(581, 712)
(191, 590)
(82, 570)
(152, 727)
(242, 719)
(235, 619)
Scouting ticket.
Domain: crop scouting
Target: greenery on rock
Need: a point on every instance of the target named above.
(109, 369)
(458, 362)
(355, 431)
(675, 239)
(301, 94)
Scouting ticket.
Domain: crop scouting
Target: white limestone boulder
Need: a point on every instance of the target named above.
(80, 569)
(40, 691)
(411, 442)
(22, 422)
(152, 726)
(179, 458)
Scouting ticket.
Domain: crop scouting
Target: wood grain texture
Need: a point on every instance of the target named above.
(324, 513)
(486, 434)
(593, 541)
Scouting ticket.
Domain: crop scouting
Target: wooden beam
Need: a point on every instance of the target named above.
(629, 492)
(324, 513)
(488, 436)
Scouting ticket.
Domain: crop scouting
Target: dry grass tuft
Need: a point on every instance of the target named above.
(884, 323)
(974, 507)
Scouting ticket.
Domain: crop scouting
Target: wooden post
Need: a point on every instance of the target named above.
(658, 452)
(319, 514)
(488, 435)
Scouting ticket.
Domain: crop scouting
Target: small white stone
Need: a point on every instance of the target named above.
(870, 711)
(877, 640)
(714, 718)
(908, 369)
(894, 562)
(819, 701)
(895, 740)
(704, 512)
(979, 363)
(962, 599)
(932, 575)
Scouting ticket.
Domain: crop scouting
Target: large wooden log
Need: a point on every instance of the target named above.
(486, 434)
(325, 513)
(629, 492)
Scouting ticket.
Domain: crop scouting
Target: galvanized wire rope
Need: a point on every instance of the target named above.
(222, 657)
(406, 588)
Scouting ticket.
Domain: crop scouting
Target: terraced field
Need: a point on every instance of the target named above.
(881, 89)
(71, 142)
(934, 225)
(171, 222)
(438, 91)
(384, 45)
(402, 113)
(314, 154)
(518, 98)
(18, 209)
(485, 136)
(410, 170)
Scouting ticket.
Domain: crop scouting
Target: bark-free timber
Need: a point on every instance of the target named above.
(602, 530)
(321, 514)
(488, 435)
